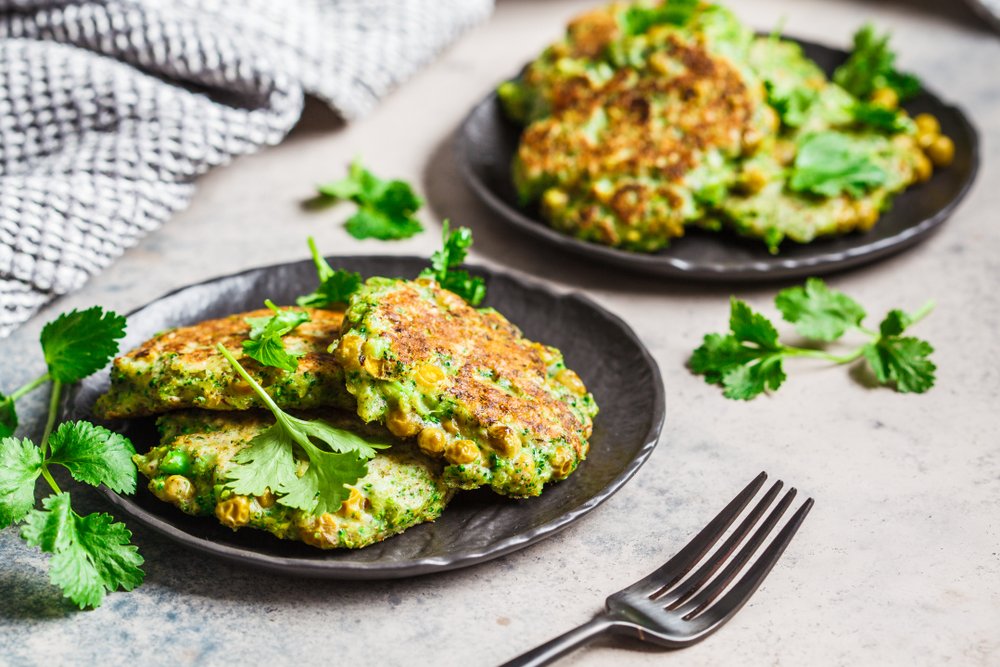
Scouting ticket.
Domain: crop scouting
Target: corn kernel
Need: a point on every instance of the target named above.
(504, 440)
(922, 168)
(886, 98)
(178, 489)
(432, 440)
(403, 424)
(429, 376)
(562, 462)
(348, 352)
(941, 151)
(233, 512)
(927, 124)
(461, 451)
(351, 508)
(266, 499)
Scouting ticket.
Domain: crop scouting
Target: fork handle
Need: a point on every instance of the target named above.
(563, 644)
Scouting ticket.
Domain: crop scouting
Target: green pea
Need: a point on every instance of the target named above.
(175, 462)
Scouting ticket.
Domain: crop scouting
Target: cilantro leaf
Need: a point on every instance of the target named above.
(745, 362)
(8, 416)
(91, 554)
(265, 344)
(266, 464)
(871, 66)
(791, 103)
(902, 361)
(94, 455)
(829, 163)
(269, 462)
(880, 118)
(20, 466)
(81, 342)
(819, 312)
(385, 208)
(322, 488)
(370, 223)
(636, 20)
(335, 287)
(454, 248)
(751, 327)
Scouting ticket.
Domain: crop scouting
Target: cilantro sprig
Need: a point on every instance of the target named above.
(91, 555)
(829, 163)
(266, 345)
(454, 247)
(336, 458)
(386, 208)
(335, 286)
(749, 360)
(871, 66)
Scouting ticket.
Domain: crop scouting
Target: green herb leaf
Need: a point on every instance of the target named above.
(454, 248)
(880, 118)
(94, 455)
(636, 20)
(8, 416)
(746, 362)
(871, 66)
(265, 344)
(80, 343)
(20, 466)
(91, 554)
(829, 163)
(819, 312)
(385, 208)
(266, 464)
(792, 104)
(902, 361)
(335, 287)
(269, 462)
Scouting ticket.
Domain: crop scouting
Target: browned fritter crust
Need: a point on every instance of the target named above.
(181, 368)
(504, 411)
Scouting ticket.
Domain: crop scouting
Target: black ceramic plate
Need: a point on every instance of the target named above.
(478, 525)
(487, 143)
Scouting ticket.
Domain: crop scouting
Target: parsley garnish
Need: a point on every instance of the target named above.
(91, 555)
(872, 66)
(454, 248)
(268, 463)
(265, 344)
(636, 20)
(828, 163)
(335, 287)
(749, 359)
(385, 208)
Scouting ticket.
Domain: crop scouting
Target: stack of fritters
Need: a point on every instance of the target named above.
(464, 398)
(634, 131)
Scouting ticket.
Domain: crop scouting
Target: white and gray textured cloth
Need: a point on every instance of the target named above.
(110, 109)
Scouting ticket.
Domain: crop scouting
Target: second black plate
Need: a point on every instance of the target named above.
(478, 525)
(488, 140)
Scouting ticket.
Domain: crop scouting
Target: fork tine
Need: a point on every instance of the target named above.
(692, 584)
(674, 569)
(734, 600)
(717, 585)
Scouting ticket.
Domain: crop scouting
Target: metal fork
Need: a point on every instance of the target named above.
(675, 610)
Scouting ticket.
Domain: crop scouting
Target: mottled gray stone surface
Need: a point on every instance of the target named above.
(898, 564)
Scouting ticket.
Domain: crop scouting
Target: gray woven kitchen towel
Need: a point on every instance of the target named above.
(110, 109)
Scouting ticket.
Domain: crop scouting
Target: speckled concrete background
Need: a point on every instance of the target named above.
(898, 564)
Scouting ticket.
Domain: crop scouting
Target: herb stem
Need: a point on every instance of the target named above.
(821, 354)
(30, 387)
(922, 312)
(51, 421)
(48, 478)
